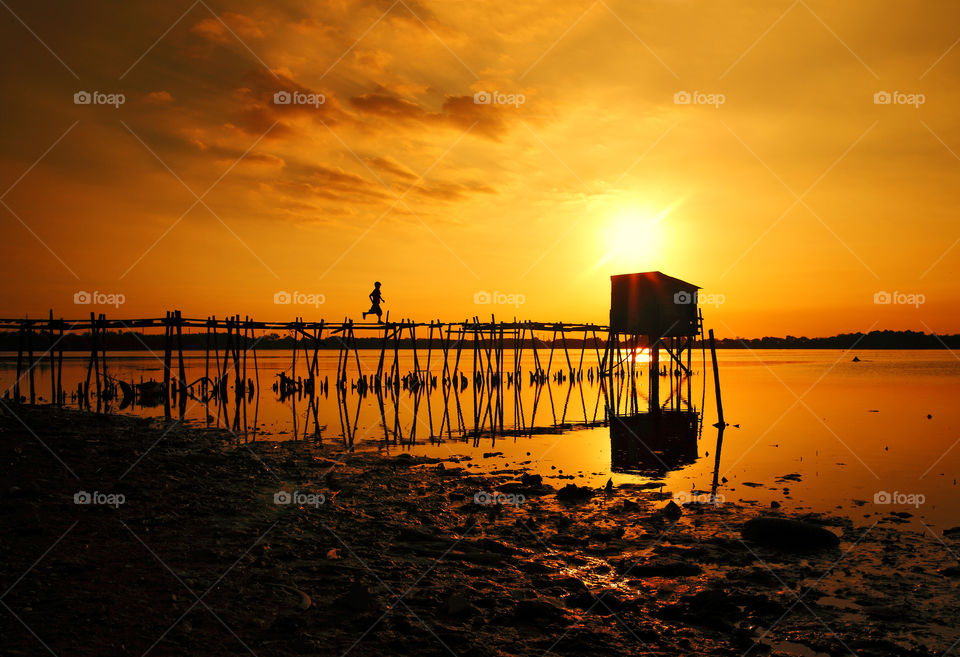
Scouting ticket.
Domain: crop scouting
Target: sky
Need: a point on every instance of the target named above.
(797, 160)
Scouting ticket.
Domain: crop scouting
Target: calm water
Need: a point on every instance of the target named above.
(844, 432)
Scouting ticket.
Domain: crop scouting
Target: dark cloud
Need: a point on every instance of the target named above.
(457, 111)
(452, 191)
(390, 166)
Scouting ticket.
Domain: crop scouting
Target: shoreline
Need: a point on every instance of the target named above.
(399, 555)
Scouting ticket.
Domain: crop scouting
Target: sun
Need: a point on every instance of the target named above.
(634, 238)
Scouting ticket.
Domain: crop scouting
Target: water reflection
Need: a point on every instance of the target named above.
(653, 444)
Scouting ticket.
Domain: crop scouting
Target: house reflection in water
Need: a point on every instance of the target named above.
(653, 443)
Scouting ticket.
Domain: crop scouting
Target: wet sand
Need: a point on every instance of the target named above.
(379, 554)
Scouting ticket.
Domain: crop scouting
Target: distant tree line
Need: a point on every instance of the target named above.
(135, 341)
(871, 340)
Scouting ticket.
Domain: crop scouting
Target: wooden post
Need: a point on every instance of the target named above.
(182, 387)
(94, 358)
(206, 360)
(716, 381)
(61, 395)
(216, 353)
(53, 378)
(103, 349)
(33, 392)
(236, 355)
(356, 352)
(166, 365)
(16, 384)
(566, 353)
(383, 349)
(654, 374)
(256, 372)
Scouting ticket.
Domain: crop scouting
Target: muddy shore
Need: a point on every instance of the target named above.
(192, 542)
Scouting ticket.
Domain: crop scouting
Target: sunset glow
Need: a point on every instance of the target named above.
(450, 148)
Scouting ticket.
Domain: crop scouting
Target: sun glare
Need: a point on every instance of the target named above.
(636, 239)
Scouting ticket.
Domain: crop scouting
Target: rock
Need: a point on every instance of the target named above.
(580, 600)
(604, 603)
(951, 571)
(358, 598)
(571, 584)
(528, 479)
(573, 493)
(286, 624)
(788, 534)
(671, 511)
(531, 610)
(458, 605)
(665, 568)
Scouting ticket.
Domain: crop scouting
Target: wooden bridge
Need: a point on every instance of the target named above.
(650, 312)
(486, 353)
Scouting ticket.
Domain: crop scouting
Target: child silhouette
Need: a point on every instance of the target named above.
(375, 299)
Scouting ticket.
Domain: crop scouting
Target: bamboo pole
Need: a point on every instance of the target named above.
(16, 383)
(716, 381)
(33, 392)
(53, 379)
(166, 366)
(60, 393)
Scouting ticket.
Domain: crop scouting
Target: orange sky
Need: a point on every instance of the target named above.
(783, 189)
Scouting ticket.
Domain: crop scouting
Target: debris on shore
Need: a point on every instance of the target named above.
(217, 546)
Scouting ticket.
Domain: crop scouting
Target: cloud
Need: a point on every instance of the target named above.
(158, 97)
(219, 30)
(452, 191)
(390, 166)
(457, 111)
(258, 108)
